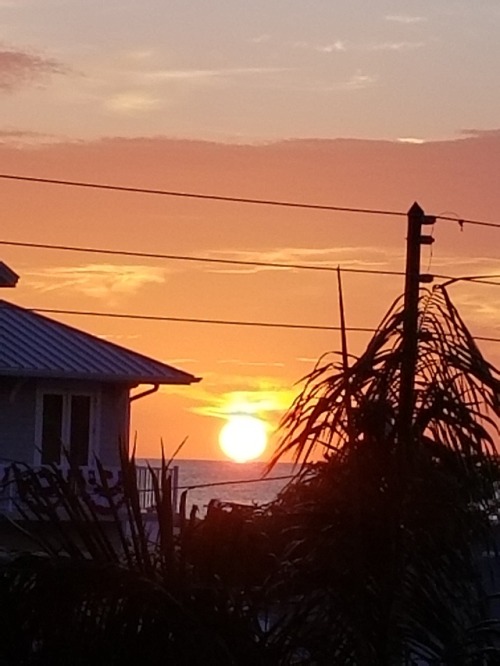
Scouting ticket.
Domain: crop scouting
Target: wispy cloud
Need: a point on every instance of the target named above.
(466, 266)
(224, 396)
(132, 102)
(477, 309)
(405, 19)
(266, 403)
(18, 134)
(481, 133)
(478, 303)
(139, 55)
(261, 39)
(251, 364)
(358, 81)
(20, 68)
(19, 137)
(410, 139)
(337, 46)
(201, 74)
(352, 257)
(182, 360)
(140, 90)
(101, 281)
(394, 46)
(117, 337)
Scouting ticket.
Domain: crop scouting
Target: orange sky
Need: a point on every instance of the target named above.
(254, 367)
(223, 98)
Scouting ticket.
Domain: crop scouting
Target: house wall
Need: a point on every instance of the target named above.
(114, 423)
(18, 417)
(17, 420)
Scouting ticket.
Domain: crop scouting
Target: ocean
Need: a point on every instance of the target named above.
(228, 481)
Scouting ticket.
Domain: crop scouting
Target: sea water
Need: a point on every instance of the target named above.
(243, 483)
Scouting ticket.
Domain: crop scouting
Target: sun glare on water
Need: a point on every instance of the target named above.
(243, 438)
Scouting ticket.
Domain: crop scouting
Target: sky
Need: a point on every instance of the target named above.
(366, 105)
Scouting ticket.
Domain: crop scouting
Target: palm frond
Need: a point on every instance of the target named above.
(380, 539)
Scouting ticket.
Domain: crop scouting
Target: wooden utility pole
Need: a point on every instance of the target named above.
(409, 347)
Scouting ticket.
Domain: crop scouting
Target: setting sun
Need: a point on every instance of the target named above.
(243, 438)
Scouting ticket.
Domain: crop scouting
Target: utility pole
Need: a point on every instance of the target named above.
(409, 347)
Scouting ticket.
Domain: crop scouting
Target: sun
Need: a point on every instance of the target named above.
(243, 438)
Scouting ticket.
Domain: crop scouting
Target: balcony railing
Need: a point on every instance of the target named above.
(89, 481)
(145, 485)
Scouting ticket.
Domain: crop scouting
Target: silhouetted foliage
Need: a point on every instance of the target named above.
(381, 555)
(110, 591)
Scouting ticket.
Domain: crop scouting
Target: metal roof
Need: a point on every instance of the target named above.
(35, 346)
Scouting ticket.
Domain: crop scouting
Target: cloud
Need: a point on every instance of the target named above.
(266, 403)
(20, 68)
(117, 337)
(340, 46)
(132, 102)
(346, 257)
(394, 46)
(358, 81)
(332, 48)
(481, 133)
(478, 303)
(143, 90)
(182, 361)
(476, 308)
(202, 74)
(23, 138)
(101, 281)
(261, 39)
(223, 396)
(139, 55)
(410, 139)
(253, 364)
(406, 20)
(466, 266)
(18, 134)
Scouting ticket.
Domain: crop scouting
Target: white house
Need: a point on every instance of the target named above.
(65, 393)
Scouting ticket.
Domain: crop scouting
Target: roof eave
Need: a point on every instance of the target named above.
(183, 379)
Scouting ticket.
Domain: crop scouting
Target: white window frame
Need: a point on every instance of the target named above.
(94, 425)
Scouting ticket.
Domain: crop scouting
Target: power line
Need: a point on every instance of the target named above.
(486, 339)
(269, 202)
(237, 262)
(209, 260)
(236, 482)
(197, 320)
(232, 199)
(220, 322)
(205, 197)
(462, 221)
(480, 279)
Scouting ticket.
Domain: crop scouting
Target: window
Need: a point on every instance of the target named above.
(67, 421)
(52, 418)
